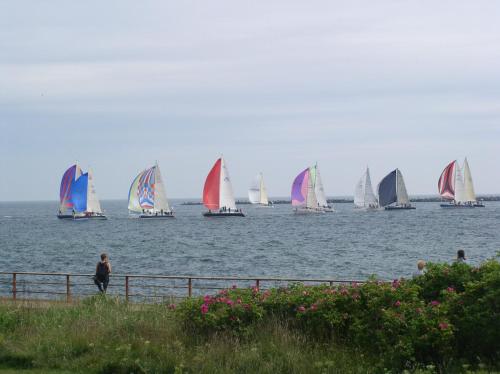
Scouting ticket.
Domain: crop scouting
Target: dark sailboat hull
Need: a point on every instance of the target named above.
(397, 207)
(65, 216)
(164, 216)
(461, 206)
(223, 214)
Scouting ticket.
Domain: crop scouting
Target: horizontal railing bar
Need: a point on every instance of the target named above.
(222, 278)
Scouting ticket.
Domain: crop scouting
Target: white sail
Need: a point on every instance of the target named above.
(93, 205)
(133, 195)
(401, 189)
(254, 192)
(226, 196)
(370, 198)
(359, 194)
(263, 192)
(363, 193)
(160, 196)
(319, 189)
(459, 185)
(311, 201)
(470, 195)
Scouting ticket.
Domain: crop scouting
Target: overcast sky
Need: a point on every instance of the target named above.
(275, 86)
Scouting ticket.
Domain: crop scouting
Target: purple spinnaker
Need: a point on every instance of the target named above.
(65, 190)
(297, 197)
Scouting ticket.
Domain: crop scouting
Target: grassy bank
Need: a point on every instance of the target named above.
(445, 321)
(107, 336)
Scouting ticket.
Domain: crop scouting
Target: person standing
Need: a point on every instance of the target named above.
(102, 271)
(460, 256)
(420, 269)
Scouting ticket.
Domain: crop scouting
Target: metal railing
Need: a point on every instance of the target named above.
(158, 288)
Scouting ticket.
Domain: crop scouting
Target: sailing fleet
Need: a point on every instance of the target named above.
(147, 198)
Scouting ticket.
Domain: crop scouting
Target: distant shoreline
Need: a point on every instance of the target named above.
(428, 199)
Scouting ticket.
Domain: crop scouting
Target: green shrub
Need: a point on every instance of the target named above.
(450, 314)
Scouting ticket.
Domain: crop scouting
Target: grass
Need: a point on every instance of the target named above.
(102, 335)
(107, 336)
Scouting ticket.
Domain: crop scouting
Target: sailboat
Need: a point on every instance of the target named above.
(304, 198)
(257, 193)
(455, 184)
(218, 194)
(319, 189)
(364, 198)
(147, 195)
(392, 190)
(78, 193)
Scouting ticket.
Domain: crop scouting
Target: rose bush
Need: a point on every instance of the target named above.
(450, 314)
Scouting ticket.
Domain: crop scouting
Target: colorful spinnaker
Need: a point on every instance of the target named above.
(69, 177)
(455, 184)
(147, 194)
(218, 194)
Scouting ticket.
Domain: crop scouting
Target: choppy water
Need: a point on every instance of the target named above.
(347, 244)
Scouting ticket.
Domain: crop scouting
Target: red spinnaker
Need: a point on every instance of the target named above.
(212, 187)
(446, 183)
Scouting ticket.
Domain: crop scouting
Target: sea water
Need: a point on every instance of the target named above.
(346, 244)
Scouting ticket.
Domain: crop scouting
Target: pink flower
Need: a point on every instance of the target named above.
(354, 285)
(450, 289)
(238, 301)
(247, 306)
(395, 283)
(232, 318)
(443, 326)
(204, 309)
(397, 303)
(305, 293)
(207, 299)
(171, 306)
(233, 287)
(418, 310)
(301, 309)
(313, 307)
(229, 302)
(435, 303)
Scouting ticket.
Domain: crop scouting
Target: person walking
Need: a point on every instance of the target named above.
(102, 271)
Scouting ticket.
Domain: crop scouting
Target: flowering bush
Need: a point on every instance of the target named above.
(428, 320)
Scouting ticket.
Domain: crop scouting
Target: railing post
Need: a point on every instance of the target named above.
(14, 286)
(257, 284)
(331, 284)
(190, 287)
(68, 289)
(126, 288)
